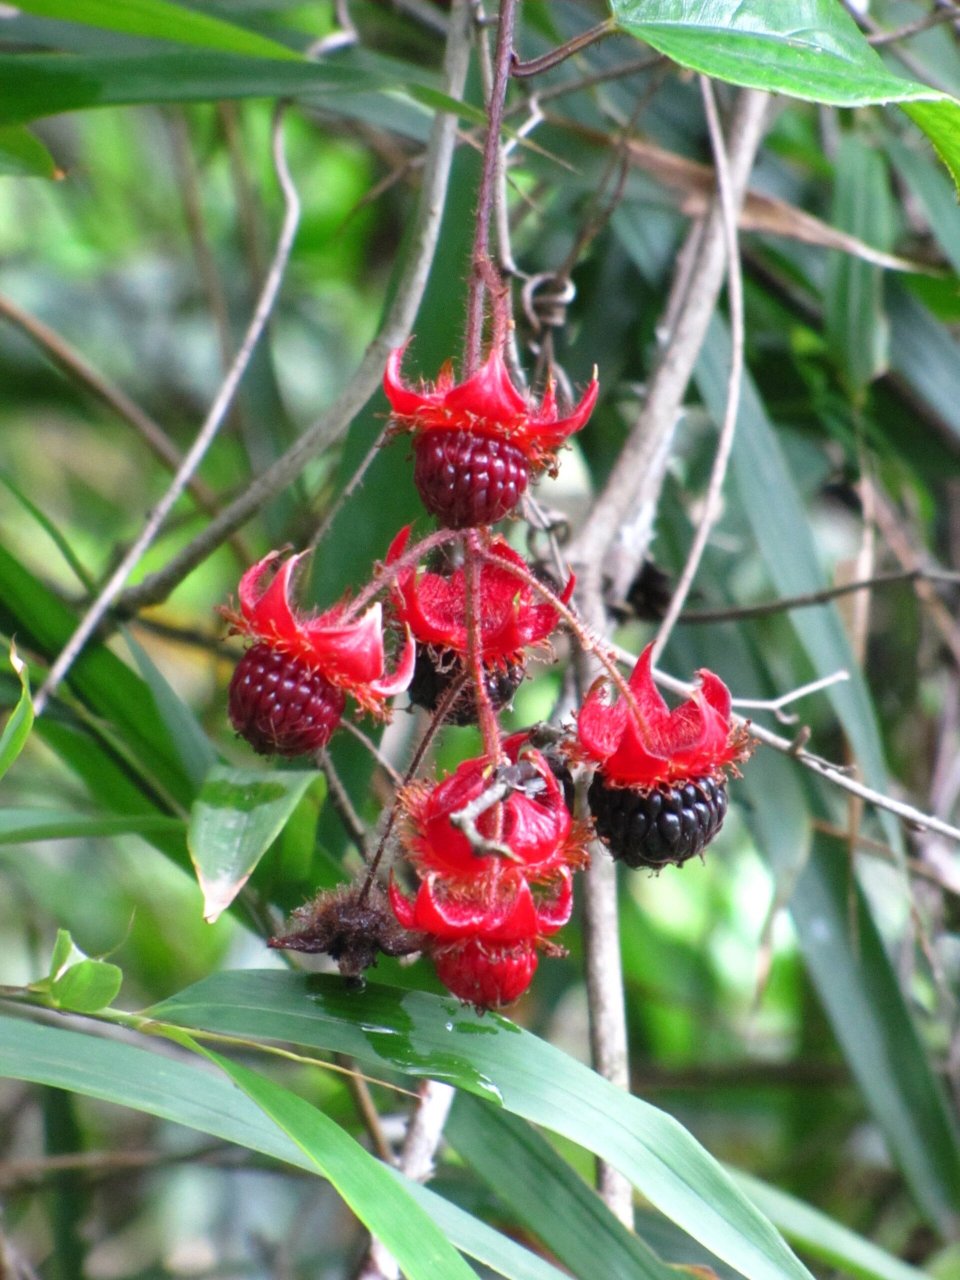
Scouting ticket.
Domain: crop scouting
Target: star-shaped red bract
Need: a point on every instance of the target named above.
(485, 912)
(512, 617)
(477, 442)
(652, 744)
(347, 652)
(486, 404)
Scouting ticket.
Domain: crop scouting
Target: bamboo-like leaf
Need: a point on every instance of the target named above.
(429, 1035)
(822, 1238)
(567, 1215)
(856, 324)
(809, 49)
(107, 686)
(17, 729)
(162, 1086)
(235, 819)
(160, 20)
(22, 826)
(782, 533)
(24, 156)
(381, 1205)
(858, 987)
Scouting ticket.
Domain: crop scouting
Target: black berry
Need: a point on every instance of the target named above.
(435, 672)
(660, 825)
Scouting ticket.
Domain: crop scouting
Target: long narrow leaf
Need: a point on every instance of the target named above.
(158, 19)
(381, 1205)
(428, 1035)
(162, 1086)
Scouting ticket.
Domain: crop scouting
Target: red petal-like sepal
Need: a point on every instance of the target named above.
(349, 653)
(487, 403)
(647, 743)
(512, 616)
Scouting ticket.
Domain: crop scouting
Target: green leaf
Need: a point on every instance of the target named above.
(365, 1184)
(234, 821)
(567, 1215)
(856, 324)
(62, 950)
(782, 533)
(435, 1036)
(105, 685)
(24, 156)
(856, 984)
(159, 20)
(936, 195)
(37, 85)
(87, 987)
(196, 752)
(22, 826)
(50, 529)
(809, 49)
(162, 1086)
(828, 1241)
(17, 729)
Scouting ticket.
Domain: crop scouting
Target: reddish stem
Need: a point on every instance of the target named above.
(486, 716)
(387, 574)
(484, 275)
(439, 715)
(587, 642)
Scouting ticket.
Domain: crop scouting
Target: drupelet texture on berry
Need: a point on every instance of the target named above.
(280, 705)
(658, 827)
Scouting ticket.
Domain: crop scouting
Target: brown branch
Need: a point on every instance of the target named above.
(395, 330)
(738, 613)
(616, 534)
(78, 370)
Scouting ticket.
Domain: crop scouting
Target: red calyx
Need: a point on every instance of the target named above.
(288, 691)
(647, 744)
(512, 617)
(478, 441)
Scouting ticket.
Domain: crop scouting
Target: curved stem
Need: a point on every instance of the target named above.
(439, 715)
(205, 437)
(395, 330)
(711, 507)
(484, 275)
(486, 717)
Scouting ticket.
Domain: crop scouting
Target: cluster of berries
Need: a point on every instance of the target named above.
(493, 846)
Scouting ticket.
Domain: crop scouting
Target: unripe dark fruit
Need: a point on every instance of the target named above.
(280, 705)
(467, 480)
(659, 825)
(436, 670)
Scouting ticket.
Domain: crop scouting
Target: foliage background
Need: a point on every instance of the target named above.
(792, 1002)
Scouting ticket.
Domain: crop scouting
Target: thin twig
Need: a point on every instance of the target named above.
(776, 705)
(739, 612)
(826, 769)
(718, 473)
(914, 28)
(205, 436)
(369, 745)
(547, 61)
(466, 820)
(481, 267)
(340, 799)
(616, 534)
(76, 367)
(395, 330)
